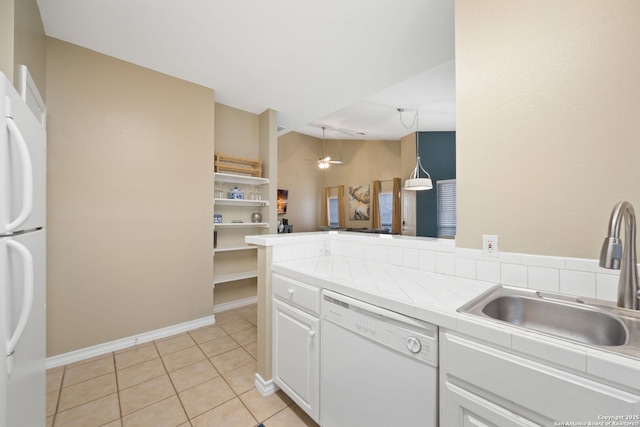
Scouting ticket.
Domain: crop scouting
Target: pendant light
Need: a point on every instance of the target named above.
(415, 182)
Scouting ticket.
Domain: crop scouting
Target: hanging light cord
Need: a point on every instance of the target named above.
(415, 118)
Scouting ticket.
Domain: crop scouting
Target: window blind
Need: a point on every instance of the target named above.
(446, 193)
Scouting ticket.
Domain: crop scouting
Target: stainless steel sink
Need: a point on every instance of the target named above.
(573, 322)
(576, 319)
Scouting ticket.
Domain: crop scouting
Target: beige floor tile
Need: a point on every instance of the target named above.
(231, 414)
(166, 413)
(177, 343)
(89, 360)
(252, 349)
(247, 336)
(252, 318)
(249, 308)
(92, 414)
(201, 398)
(87, 371)
(242, 379)
(140, 373)
(192, 375)
(227, 316)
(134, 347)
(219, 346)
(116, 423)
(54, 378)
(182, 358)
(236, 326)
(137, 355)
(292, 416)
(207, 333)
(49, 421)
(264, 407)
(142, 395)
(231, 360)
(52, 401)
(87, 391)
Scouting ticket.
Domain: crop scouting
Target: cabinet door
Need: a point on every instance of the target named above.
(463, 408)
(296, 356)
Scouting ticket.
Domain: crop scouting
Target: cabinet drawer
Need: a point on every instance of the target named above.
(296, 293)
(542, 389)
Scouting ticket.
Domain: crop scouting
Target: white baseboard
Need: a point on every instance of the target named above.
(266, 388)
(100, 349)
(234, 304)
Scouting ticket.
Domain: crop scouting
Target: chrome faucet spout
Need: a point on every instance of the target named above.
(615, 255)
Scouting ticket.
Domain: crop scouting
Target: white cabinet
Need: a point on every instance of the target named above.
(483, 385)
(235, 260)
(464, 408)
(296, 343)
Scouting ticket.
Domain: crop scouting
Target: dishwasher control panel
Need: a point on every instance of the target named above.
(412, 337)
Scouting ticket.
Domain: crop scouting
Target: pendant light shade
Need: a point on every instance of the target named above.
(415, 182)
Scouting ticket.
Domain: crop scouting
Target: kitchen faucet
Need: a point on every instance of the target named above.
(613, 257)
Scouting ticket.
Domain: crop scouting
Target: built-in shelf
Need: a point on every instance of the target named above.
(240, 179)
(240, 202)
(224, 278)
(241, 225)
(236, 248)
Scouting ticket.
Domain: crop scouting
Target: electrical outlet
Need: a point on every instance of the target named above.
(489, 245)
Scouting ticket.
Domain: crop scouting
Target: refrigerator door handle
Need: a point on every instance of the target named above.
(27, 300)
(27, 170)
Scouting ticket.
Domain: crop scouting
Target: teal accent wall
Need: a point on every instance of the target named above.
(438, 157)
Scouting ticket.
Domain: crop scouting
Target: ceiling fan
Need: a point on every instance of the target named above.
(325, 161)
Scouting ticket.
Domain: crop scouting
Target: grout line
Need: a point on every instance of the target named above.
(173, 385)
(154, 343)
(115, 370)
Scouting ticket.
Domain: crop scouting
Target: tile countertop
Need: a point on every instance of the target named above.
(434, 298)
(423, 295)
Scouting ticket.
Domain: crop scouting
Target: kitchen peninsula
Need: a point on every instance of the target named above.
(428, 280)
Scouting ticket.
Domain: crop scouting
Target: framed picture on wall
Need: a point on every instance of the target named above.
(359, 203)
(283, 196)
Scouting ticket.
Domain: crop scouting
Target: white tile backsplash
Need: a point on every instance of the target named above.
(396, 256)
(607, 286)
(578, 283)
(465, 267)
(489, 271)
(544, 279)
(446, 264)
(574, 276)
(513, 274)
(427, 261)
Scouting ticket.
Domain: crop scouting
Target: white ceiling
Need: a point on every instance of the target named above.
(343, 64)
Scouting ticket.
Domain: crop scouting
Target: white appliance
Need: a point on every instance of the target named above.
(22, 259)
(379, 368)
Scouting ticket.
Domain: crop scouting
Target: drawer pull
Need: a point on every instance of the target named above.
(290, 291)
(312, 333)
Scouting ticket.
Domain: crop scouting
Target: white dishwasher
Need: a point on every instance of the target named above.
(379, 368)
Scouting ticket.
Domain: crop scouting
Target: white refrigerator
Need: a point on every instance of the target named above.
(22, 259)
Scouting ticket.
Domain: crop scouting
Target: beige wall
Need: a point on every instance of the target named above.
(302, 179)
(30, 42)
(22, 41)
(129, 199)
(6, 37)
(365, 161)
(237, 132)
(548, 100)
